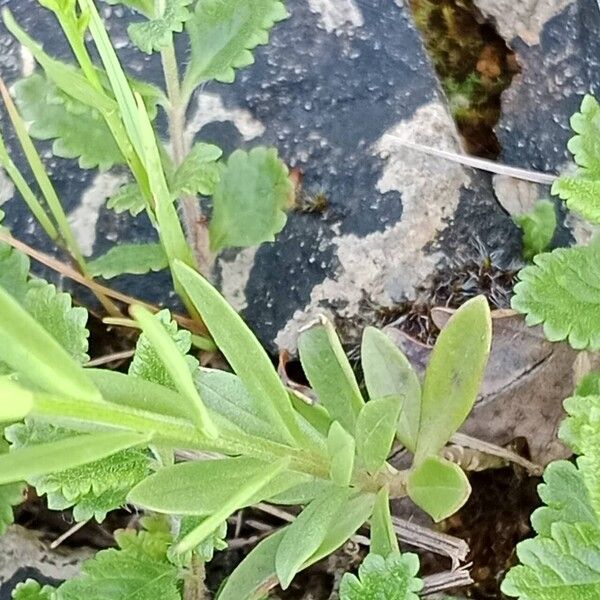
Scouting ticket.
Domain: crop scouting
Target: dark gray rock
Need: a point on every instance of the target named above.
(337, 79)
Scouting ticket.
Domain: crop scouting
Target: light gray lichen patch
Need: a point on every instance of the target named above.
(336, 16)
(235, 274)
(524, 18)
(209, 108)
(7, 189)
(84, 218)
(387, 266)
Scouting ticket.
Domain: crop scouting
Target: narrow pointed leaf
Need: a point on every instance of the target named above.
(176, 366)
(304, 536)
(41, 459)
(439, 487)
(36, 355)
(135, 259)
(340, 448)
(15, 401)
(454, 375)
(375, 430)
(388, 373)
(241, 349)
(330, 374)
(383, 537)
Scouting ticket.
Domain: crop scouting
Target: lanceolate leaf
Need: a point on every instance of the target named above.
(25, 463)
(156, 34)
(560, 290)
(454, 375)
(222, 34)
(36, 355)
(78, 130)
(330, 374)
(250, 200)
(383, 537)
(135, 259)
(340, 448)
(389, 373)
(242, 350)
(304, 536)
(128, 197)
(538, 228)
(379, 577)
(375, 429)
(439, 487)
(199, 173)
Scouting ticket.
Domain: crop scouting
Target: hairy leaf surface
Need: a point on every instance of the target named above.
(199, 173)
(135, 259)
(127, 198)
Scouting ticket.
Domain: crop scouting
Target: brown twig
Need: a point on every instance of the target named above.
(109, 358)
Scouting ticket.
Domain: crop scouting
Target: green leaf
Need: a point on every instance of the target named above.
(248, 493)
(196, 488)
(139, 570)
(242, 350)
(563, 567)
(383, 537)
(78, 131)
(538, 228)
(54, 311)
(385, 578)
(145, 7)
(206, 549)
(561, 290)
(136, 259)
(222, 34)
(11, 494)
(14, 271)
(388, 373)
(304, 536)
(176, 366)
(17, 402)
(157, 33)
(566, 498)
(250, 199)
(37, 356)
(41, 459)
(253, 577)
(581, 191)
(340, 448)
(127, 198)
(375, 430)
(199, 173)
(454, 375)
(330, 374)
(439, 487)
(93, 488)
(31, 590)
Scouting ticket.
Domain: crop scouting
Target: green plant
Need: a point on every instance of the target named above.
(94, 439)
(104, 117)
(563, 560)
(538, 228)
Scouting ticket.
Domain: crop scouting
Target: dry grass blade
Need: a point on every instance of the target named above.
(433, 584)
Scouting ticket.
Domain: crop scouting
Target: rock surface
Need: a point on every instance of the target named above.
(335, 89)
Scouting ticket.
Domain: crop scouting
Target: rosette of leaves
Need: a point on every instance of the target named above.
(563, 560)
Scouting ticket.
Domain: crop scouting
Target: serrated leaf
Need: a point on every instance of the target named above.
(581, 191)
(304, 536)
(375, 430)
(385, 578)
(32, 590)
(389, 373)
(156, 34)
(222, 35)
(454, 375)
(563, 567)
(78, 131)
(139, 570)
(340, 448)
(199, 173)
(250, 200)
(439, 487)
(135, 259)
(127, 198)
(566, 499)
(329, 373)
(560, 290)
(206, 549)
(11, 494)
(383, 537)
(30, 350)
(54, 311)
(14, 271)
(538, 228)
